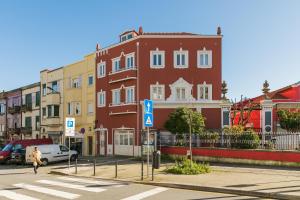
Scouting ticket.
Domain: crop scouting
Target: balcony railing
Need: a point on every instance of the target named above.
(26, 108)
(26, 130)
(14, 130)
(14, 109)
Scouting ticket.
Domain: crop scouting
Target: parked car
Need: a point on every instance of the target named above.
(5, 154)
(51, 153)
(18, 156)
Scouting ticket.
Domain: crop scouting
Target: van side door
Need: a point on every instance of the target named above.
(64, 152)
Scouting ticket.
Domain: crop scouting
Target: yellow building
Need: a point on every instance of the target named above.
(79, 102)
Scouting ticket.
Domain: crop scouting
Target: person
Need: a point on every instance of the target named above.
(36, 159)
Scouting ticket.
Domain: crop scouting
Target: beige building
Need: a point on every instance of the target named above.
(30, 109)
(52, 93)
(79, 102)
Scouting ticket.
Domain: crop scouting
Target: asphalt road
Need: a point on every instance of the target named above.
(19, 183)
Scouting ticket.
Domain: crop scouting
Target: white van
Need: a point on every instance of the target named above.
(51, 153)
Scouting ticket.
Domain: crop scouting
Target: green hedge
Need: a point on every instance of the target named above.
(185, 167)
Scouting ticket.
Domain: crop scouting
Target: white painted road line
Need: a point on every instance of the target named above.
(87, 181)
(15, 196)
(146, 194)
(72, 186)
(52, 192)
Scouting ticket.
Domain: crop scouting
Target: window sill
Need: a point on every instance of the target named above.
(181, 67)
(204, 67)
(157, 67)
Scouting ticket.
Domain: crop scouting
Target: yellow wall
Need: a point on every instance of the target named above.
(84, 94)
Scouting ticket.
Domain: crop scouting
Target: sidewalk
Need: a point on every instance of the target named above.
(259, 182)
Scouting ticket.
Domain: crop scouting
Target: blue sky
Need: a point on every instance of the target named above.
(261, 37)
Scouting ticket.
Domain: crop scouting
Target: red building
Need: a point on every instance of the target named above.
(265, 119)
(172, 69)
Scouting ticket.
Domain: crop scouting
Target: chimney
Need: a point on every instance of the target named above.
(219, 32)
(140, 30)
(98, 47)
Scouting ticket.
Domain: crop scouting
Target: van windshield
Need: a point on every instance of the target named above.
(8, 147)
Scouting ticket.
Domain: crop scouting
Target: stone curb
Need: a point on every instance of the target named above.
(271, 195)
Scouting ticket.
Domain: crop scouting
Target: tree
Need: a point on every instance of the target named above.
(178, 122)
(289, 120)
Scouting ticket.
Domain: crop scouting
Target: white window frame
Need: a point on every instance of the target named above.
(113, 64)
(123, 137)
(132, 100)
(2, 110)
(204, 52)
(152, 94)
(101, 99)
(101, 70)
(157, 52)
(114, 92)
(130, 56)
(76, 82)
(184, 53)
(181, 94)
(90, 108)
(209, 89)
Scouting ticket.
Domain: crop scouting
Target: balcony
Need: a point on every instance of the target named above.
(14, 130)
(54, 121)
(123, 74)
(2, 113)
(14, 110)
(26, 108)
(123, 108)
(26, 130)
(53, 98)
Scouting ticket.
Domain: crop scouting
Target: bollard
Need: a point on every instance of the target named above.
(116, 169)
(76, 166)
(94, 167)
(142, 172)
(152, 173)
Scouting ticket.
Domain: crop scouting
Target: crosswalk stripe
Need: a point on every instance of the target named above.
(72, 186)
(146, 194)
(44, 190)
(106, 183)
(15, 196)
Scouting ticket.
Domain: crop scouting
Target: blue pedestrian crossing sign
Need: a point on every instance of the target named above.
(148, 113)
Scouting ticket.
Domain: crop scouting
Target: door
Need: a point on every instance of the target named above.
(102, 142)
(90, 147)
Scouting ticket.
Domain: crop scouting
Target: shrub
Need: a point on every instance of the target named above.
(185, 167)
(248, 140)
(209, 138)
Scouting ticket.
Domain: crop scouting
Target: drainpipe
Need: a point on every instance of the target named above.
(137, 97)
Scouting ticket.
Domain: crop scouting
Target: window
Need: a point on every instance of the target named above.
(130, 61)
(101, 99)
(37, 123)
(28, 100)
(69, 109)
(130, 95)
(77, 108)
(63, 148)
(28, 122)
(76, 82)
(116, 100)
(55, 87)
(205, 92)
(53, 110)
(204, 59)
(90, 108)
(180, 94)
(124, 138)
(181, 59)
(90, 80)
(157, 59)
(2, 108)
(101, 69)
(157, 92)
(44, 112)
(37, 99)
(116, 65)
(44, 90)
(56, 110)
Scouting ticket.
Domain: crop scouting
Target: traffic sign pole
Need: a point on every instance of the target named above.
(148, 148)
(69, 152)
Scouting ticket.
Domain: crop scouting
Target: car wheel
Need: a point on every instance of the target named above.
(44, 161)
(73, 157)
